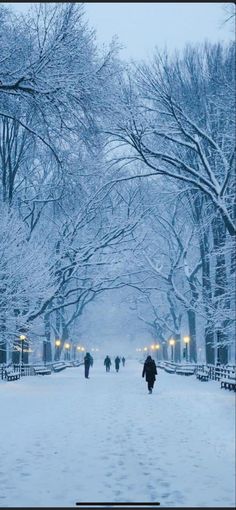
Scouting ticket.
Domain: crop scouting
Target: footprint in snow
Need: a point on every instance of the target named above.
(165, 495)
(164, 484)
(123, 477)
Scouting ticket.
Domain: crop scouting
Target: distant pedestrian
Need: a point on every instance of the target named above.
(87, 364)
(150, 370)
(123, 361)
(117, 363)
(107, 363)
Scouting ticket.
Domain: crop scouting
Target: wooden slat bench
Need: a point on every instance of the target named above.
(42, 371)
(184, 371)
(11, 375)
(202, 375)
(170, 370)
(228, 383)
(58, 367)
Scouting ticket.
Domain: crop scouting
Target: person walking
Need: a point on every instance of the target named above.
(117, 363)
(107, 363)
(123, 361)
(150, 371)
(87, 364)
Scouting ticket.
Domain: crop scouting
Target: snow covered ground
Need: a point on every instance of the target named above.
(66, 439)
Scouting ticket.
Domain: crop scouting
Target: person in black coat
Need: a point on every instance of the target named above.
(150, 370)
(87, 364)
(117, 363)
(107, 363)
(123, 361)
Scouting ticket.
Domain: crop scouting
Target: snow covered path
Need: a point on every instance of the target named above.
(68, 439)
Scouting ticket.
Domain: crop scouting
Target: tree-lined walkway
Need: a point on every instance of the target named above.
(68, 439)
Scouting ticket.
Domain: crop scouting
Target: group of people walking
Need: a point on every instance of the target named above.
(108, 363)
(149, 368)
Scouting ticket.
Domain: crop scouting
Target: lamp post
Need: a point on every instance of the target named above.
(67, 347)
(157, 347)
(78, 348)
(57, 345)
(22, 338)
(186, 341)
(172, 343)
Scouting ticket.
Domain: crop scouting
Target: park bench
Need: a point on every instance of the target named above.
(78, 363)
(202, 375)
(184, 371)
(58, 367)
(10, 375)
(170, 370)
(160, 364)
(42, 371)
(228, 383)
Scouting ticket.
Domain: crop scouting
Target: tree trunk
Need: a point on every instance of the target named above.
(164, 351)
(177, 348)
(209, 342)
(47, 348)
(207, 297)
(3, 343)
(221, 336)
(192, 333)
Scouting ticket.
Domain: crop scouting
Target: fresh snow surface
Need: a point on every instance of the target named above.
(67, 439)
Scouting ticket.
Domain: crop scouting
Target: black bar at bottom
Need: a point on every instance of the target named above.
(119, 504)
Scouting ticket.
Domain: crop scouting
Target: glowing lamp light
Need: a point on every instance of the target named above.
(82, 349)
(186, 339)
(157, 346)
(172, 341)
(67, 346)
(152, 347)
(78, 348)
(22, 337)
(57, 343)
(145, 348)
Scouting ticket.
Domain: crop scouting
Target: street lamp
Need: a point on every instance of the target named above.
(78, 348)
(186, 341)
(67, 347)
(157, 347)
(57, 344)
(145, 348)
(22, 338)
(74, 351)
(172, 343)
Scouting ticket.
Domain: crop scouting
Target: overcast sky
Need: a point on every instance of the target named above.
(142, 26)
